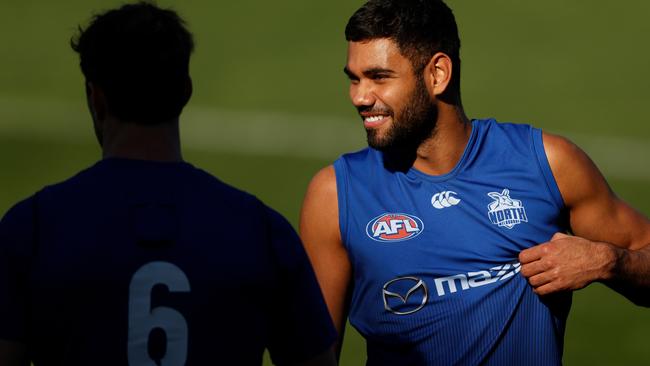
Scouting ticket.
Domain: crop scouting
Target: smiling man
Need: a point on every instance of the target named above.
(444, 241)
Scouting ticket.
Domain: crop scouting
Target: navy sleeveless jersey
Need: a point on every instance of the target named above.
(435, 271)
(145, 263)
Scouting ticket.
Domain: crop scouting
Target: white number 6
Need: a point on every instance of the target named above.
(143, 319)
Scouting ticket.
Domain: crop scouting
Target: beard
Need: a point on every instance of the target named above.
(412, 126)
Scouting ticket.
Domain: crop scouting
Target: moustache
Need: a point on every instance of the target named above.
(375, 110)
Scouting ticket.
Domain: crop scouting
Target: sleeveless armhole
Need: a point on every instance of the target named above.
(545, 167)
(341, 173)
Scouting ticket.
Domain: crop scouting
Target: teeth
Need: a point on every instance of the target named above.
(374, 118)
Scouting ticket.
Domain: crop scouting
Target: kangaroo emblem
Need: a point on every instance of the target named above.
(505, 211)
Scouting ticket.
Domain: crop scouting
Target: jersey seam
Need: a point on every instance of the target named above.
(342, 193)
(551, 186)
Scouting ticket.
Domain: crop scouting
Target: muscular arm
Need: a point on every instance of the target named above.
(319, 230)
(611, 242)
(13, 354)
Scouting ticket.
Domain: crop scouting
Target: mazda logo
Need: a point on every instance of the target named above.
(407, 294)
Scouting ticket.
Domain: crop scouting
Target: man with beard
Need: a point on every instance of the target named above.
(445, 241)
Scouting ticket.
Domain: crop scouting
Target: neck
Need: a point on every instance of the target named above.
(135, 141)
(441, 152)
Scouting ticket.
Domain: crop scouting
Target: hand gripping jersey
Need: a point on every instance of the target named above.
(144, 263)
(435, 271)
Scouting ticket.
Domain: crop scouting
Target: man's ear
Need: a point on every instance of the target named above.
(438, 74)
(96, 101)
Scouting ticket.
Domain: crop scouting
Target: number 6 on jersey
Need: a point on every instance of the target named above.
(143, 319)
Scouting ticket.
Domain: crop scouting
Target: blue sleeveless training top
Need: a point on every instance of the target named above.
(435, 271)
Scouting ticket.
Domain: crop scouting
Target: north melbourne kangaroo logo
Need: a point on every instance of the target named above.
(505, 211)
(444, 199)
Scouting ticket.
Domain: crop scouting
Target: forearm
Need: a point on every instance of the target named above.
(629, 274)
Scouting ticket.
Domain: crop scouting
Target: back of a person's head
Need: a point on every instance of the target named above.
(139, 56)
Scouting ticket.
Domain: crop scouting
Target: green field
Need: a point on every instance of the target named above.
(270, 107)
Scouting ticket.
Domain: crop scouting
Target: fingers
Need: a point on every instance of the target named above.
(559, 236)
(546, 289)
(540, 279)
(538, 269)
(531, 269)
(532, 254)
(537, 252)
(546, 282)
(554, 266)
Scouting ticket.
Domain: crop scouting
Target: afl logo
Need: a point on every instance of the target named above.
(390, 227)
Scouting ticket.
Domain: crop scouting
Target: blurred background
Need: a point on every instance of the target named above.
(270, 107)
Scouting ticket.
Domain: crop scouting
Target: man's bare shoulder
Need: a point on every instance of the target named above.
(577, 176)
(559, 146)
(320, 207)
(323, 183)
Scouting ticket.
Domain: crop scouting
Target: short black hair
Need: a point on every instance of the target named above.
(139, 56)
(420, 28)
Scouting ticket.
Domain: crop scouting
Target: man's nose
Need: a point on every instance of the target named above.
(362, 95)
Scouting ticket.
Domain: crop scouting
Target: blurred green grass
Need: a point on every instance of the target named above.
(580, 68)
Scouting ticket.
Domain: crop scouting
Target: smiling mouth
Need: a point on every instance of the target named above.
(374, 121)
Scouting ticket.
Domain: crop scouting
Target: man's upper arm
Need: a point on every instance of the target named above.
(301, 327)
(319, 229)
(595, 212)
